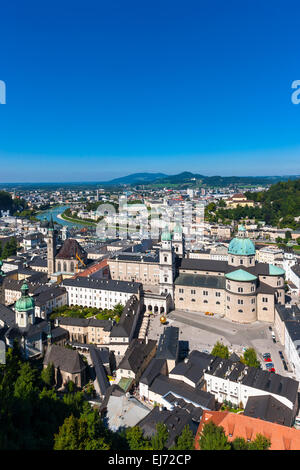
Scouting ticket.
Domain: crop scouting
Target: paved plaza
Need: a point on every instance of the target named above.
(202, 332)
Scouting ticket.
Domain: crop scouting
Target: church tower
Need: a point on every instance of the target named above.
(51, 248)
(178, 240)
(166, 264)
(24, 308)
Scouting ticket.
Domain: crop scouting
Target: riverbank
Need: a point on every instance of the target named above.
(75, 221)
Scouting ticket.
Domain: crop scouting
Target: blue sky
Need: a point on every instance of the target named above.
(99, 89)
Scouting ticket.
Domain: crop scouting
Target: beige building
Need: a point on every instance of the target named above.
(239, 200)
(135, 267)
(239, 289)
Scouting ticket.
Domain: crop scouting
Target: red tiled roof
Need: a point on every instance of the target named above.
(93, 269)
(238, 425)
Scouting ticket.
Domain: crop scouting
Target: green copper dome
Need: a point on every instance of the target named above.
(25, 302)
(166, 235)
(240, 275)
(241, 246)
(275, 271)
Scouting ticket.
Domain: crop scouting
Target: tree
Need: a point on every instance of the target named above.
(160, 438)
(239, 443)
(250, 358)
(48, 375)
(213, 437)
(260, 443)
(83, 433)
(186, 440)
(136, 440)
(220, 350)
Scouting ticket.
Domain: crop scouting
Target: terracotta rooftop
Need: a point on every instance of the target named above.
(239, 425)
(92, 269)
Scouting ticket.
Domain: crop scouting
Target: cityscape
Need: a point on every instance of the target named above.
(149, 254)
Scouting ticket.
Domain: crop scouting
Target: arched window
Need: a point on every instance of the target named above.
(59, 266)
(65, 267)
(240, 311)
(72, 267)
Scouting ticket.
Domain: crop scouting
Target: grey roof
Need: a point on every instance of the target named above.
(296, 269)
(208, 265)
(38, 262)
(100, 372)
(66, 359)
(268, 408)
(7, 315)
(137, 257)
(256, 378)
(199, 280)
(163, 385)
(49, 294)
(104, 284)
(38, 329)
(168, 343)
(155, 368)
(193, 367)
(203, 265)
(136, 354)
(127, 320)
(291, 318)
(174, 420)
(84, 322)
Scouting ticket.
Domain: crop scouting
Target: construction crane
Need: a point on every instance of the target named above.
(80, 261)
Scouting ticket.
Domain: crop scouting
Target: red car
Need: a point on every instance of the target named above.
(267, 359)
(272, 369)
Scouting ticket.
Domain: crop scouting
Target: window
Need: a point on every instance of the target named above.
(218, 294)
(205, 292)
(240, 301)
(240, 289)
(265, 299)
(181, 291)
(193, 291)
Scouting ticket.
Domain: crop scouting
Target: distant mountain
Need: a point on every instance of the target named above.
(138, 178)
(187, 178)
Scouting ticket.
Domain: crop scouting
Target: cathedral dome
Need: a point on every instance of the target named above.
(166, 235)
(25, 303)
(241, 245)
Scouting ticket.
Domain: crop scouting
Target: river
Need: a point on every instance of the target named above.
(55, 212)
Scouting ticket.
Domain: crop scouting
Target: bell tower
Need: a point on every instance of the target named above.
(24, 308)
(51, 248)
(166, 264)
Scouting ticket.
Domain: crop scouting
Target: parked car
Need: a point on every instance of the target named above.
(269, 365)
(267, 359)
(280, 354)
(284, 365)
(274, 340)
(272, 369)
(265, 355)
